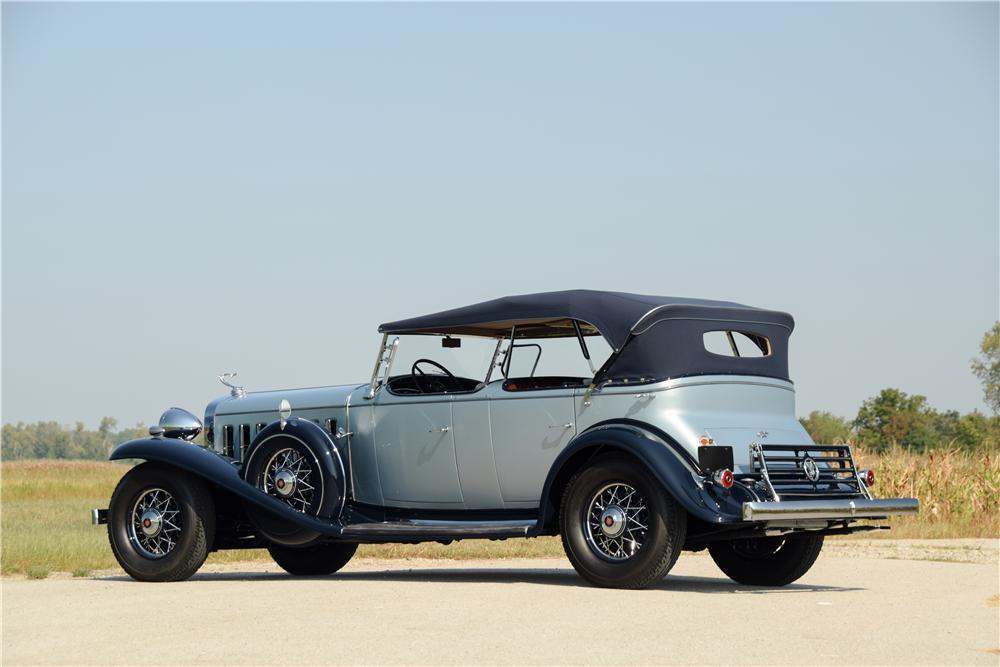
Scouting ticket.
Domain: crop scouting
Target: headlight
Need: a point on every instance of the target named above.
(180, 424)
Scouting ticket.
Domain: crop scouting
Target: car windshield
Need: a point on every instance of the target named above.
(469, 358)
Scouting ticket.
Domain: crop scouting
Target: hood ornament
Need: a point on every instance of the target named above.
(234, 390)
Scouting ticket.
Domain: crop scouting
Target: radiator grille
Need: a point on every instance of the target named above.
(786, 468)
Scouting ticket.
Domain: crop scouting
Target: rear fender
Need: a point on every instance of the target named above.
(665, 460)
(220, 471)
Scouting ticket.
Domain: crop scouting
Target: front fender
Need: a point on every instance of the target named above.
(667, 462)
(218, 470)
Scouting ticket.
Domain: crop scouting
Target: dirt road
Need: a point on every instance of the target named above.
(849, 609)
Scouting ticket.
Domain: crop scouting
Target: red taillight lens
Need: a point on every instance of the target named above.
(723, 478)
(870, 477)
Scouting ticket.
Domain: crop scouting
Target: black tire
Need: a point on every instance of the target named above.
(767, 561)
(189, 508)
(319, 559)
(659, 545)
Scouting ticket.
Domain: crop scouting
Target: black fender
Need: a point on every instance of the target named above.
(665, 459)
(220, 471)
(325, 453)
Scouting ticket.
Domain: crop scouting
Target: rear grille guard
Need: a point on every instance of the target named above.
(785, 471)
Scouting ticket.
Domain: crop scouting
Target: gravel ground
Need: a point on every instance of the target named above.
(856, 606)
(955, 551)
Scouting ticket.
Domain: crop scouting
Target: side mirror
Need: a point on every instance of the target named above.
(284, 411)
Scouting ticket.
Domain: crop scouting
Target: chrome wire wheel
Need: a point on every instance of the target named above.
(155, 524)
(288, 476)
(616, 522)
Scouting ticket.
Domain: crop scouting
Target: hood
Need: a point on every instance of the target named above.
(300, 399)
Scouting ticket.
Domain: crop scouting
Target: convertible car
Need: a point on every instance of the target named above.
(632, 426)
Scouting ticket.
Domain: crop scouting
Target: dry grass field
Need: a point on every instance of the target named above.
(45, 520)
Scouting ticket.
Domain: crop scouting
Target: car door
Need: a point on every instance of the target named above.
(415, 450)
(529, 429)
(474, 450)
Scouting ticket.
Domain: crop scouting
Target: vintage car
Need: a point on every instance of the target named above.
(632, 426)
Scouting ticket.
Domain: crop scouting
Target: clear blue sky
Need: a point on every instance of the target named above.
(190, 189)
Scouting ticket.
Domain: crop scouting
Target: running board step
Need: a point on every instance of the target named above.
(425, 528)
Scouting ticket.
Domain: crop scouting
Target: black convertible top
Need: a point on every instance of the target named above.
(613, 314)
(676, 325)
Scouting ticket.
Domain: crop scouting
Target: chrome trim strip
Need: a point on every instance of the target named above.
(859, 508)
(519, 527)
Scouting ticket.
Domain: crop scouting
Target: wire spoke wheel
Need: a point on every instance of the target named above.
(289, 477)
(617, 520)
(155, 525)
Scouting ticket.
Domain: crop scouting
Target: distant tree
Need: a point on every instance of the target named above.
(987, 367)
(826, 427)
(976, 431)
(50, 440)
(896, 417)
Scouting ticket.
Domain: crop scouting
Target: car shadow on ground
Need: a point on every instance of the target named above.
(499, 575)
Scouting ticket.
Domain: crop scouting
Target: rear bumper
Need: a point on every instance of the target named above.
(859, 508)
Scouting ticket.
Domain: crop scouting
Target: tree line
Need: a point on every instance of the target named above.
(51, 440)
(895, 418)
(892, 418)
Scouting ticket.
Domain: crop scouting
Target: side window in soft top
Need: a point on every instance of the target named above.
(729, 343)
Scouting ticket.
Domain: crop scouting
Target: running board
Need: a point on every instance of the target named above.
(435, 529)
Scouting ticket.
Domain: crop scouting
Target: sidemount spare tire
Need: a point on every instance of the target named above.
(300, 465)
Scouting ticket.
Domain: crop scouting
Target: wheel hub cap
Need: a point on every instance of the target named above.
(616, 521)
(155, 525)
(613, 521)
(284, 483)
(289, 477)
(151, 521)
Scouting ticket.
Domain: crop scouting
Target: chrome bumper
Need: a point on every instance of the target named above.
(859, 508)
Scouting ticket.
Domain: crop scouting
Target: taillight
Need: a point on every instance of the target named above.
(723, 478)
(869, 477)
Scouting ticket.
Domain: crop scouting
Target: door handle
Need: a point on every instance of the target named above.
(563, 426)
(443, 429)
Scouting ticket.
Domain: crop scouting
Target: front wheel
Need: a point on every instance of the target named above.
(319, 559)
(767, 561)
(620, 528)
(161, 523)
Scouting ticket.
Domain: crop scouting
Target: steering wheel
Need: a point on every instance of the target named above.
(414, 370)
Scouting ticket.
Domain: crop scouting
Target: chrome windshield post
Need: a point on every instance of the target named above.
(378, 364)
(389, 359)
(493, 361)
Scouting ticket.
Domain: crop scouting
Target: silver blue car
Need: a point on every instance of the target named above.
(632, 426)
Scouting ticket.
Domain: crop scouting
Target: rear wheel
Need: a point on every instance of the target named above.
(767, 561)
(620, 529)
(161, 523)
(319, 559)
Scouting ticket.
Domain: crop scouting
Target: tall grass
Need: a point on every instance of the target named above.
(45, 511)
(959, 490)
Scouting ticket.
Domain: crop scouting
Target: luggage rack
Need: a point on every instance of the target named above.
(807, 471)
